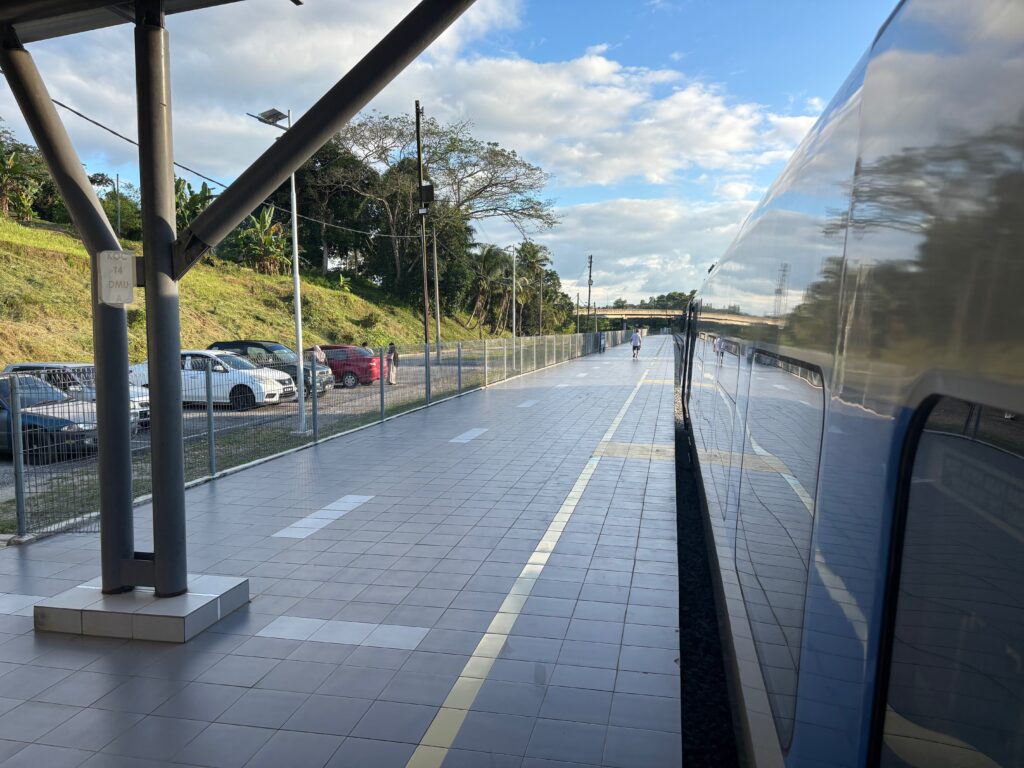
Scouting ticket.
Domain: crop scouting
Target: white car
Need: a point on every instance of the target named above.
(236, 381)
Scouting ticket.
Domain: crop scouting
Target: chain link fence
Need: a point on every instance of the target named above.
(234, 412)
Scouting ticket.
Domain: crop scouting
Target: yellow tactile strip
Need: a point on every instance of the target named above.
(655, 452)
(433, 747)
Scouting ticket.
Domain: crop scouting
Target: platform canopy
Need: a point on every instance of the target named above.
(43, 19)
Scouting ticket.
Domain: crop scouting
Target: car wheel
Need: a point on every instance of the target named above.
(349, 379)
(242, 398)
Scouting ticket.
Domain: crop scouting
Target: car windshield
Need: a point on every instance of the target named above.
(279, 353)
(32, 391)
(236, 362)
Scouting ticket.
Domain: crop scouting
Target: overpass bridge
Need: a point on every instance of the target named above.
(707, 316)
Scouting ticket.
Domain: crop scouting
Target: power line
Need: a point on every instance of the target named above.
(221, 184)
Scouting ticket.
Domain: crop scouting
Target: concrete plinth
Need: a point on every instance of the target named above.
(140, 615)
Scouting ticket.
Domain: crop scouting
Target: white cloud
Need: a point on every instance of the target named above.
(589, 120)
(640, 247)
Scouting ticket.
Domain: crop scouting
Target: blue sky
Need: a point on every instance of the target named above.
(662, 122)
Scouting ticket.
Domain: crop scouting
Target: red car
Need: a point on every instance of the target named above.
(352, 365)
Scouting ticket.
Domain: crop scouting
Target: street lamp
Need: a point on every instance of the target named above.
(274, 117)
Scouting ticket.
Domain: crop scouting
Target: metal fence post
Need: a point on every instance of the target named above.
(485, 362)
(211, 444)
(459, 374)
(382, 383)
(426, 370)
(504, 360)
(18, 456)
(315, 404)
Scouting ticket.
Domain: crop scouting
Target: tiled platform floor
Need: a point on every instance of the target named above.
(488, 582)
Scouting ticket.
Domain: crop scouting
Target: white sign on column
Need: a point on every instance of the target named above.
(117, 278)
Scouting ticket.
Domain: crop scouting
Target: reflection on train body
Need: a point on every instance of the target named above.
(853, 369)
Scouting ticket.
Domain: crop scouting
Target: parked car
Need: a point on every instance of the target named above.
(270, 354)
(53, 425)
(78, 380)
(236, 381)
(352, 365)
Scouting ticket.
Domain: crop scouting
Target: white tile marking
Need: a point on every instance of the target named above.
(581, 375)
(12, 604)
(345, 632)
(559, 386)
(323, 517)
(468, 435)
(527, 404)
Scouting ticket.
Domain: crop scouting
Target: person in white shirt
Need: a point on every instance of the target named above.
(635, 341)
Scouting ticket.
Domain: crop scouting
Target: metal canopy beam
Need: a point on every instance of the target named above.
(35, 20)
(314, 129)
(109, 324)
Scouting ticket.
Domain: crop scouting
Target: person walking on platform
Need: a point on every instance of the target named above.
(392, 360)
(635, 341)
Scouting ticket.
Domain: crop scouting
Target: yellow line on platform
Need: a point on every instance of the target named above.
(445, 727)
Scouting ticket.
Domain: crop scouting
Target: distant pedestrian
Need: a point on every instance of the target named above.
(392, 360)
(318, 355)
(635, 341)
(365, 346)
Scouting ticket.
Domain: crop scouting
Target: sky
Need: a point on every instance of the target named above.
(661, 122)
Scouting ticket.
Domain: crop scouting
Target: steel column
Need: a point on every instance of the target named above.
(381, 377)
(163, 335)
(109, 324)
(211, 440)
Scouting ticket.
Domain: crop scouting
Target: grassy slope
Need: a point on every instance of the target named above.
(44, 305)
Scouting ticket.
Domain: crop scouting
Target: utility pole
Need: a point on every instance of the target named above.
(590, 284)
(300, 384)
(540, 310)
(437, 298)
(117, 197)
(577, 311)
(513, 302)
(423, 226)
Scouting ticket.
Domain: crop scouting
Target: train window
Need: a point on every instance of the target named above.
(785, 418)
(956, 673)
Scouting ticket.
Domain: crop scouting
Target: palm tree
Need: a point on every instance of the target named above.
(489, 268)
(262, 243)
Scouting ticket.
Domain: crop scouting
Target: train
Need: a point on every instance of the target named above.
(853, 398)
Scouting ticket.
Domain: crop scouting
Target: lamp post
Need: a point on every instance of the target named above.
(274, 117)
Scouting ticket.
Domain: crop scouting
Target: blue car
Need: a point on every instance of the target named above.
(54, 426)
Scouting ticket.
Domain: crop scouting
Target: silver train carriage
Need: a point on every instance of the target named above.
(854, 397)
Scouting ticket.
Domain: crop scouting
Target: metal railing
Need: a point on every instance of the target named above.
(231, 417)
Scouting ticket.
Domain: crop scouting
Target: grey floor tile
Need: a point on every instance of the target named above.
(29, 721)
(495, 733)
(656, 713)
(334, 715)
(564, 740)
(371, 752)
(156, 738)
(36, 755)
(224, 746)
(582, 653)
(509, 698)
(418, 688)
(295, 749)
(583, 677)
(582, 705)
(263, 708)
(357, 682)
(200, 701)
(80, 688)
(29, 680)
(633, 748)
(298, 676)
(395, 722)
(647, 683)
(91, 729)
(464, 758)
(238, 670)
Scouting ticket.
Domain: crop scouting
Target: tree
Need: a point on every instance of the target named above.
(262, 243)
(188, 202)
(620, 304)
(473, 180)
